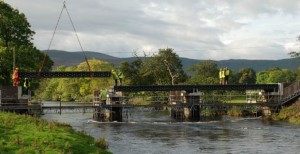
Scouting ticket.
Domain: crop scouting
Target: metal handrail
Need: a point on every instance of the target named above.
(291, 89)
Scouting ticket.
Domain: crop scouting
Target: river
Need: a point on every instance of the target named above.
(154, 132)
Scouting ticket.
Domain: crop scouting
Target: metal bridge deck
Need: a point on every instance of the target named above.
(190, 88)
(63, 74)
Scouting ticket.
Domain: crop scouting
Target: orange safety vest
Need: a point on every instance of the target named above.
(16, 75)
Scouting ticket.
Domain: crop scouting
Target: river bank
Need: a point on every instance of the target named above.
(27, 134)
(290, 114)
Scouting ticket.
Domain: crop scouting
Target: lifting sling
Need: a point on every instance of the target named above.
(44, 60)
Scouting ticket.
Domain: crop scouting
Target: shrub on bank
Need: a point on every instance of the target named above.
(101, 143)
(27, 134)
(235, 111)
(290, 114)
(242, 111)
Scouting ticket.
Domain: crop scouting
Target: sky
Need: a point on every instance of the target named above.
(197, 29)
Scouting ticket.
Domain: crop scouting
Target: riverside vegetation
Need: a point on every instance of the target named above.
(27, 134)
(290, 114)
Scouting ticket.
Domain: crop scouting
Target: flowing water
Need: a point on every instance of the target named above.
(154, 132)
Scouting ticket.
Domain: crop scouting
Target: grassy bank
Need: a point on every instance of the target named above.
(26, 134)
(290, 114)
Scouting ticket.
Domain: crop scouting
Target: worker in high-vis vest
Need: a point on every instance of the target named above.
(115, 76)
(222, 76)
(121, 76)
(26, 85)
(227, 73)
(103, 95)
(15, 77)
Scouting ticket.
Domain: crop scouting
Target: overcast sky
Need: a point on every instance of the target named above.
(198, 29)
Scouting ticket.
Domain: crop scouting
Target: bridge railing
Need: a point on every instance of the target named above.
(202, 99)
(143, 99)
(290, 90)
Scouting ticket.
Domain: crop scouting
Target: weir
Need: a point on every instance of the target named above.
(188, 102)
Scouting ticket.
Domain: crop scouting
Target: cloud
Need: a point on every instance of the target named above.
(208, 29)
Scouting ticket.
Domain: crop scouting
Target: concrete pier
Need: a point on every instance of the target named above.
(13, 100)
(187, 105)
(108, 110)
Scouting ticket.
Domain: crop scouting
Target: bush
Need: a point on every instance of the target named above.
(101, 143)
(235, 111)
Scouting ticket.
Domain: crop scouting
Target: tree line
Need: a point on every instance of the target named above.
(163, 68)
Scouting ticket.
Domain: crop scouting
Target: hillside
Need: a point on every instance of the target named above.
(74, 58)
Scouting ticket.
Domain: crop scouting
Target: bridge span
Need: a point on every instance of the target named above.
(193, 88)
(193, 100)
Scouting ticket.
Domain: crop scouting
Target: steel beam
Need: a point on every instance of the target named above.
(191, 88)
(64, 74)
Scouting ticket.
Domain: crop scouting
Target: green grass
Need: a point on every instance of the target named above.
(27, 134)
(237, 100)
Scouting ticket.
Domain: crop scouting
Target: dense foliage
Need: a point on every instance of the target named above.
(165, 68)
(275, 75)
(139, 73)
(75, 89)
(15, 41)
(291, 113)
(206, 72)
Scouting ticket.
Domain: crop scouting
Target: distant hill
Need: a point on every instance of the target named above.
(74, 58)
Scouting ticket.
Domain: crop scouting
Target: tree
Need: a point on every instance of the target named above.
(15, 39)
(297, 74)
(295, 54)
(134, 73)
(262, 77)
(204, 73)
(275, 75)
(247, 76)
(166, 68)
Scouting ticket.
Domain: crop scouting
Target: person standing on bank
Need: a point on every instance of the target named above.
(15, 77)
(121, 76)
(26, 85)
(115, 76)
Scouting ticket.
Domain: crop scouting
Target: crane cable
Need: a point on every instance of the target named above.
(44, 60)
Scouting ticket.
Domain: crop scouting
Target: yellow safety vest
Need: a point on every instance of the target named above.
(227, 72)
(223, 74)
(115, 75)
(121, 75)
